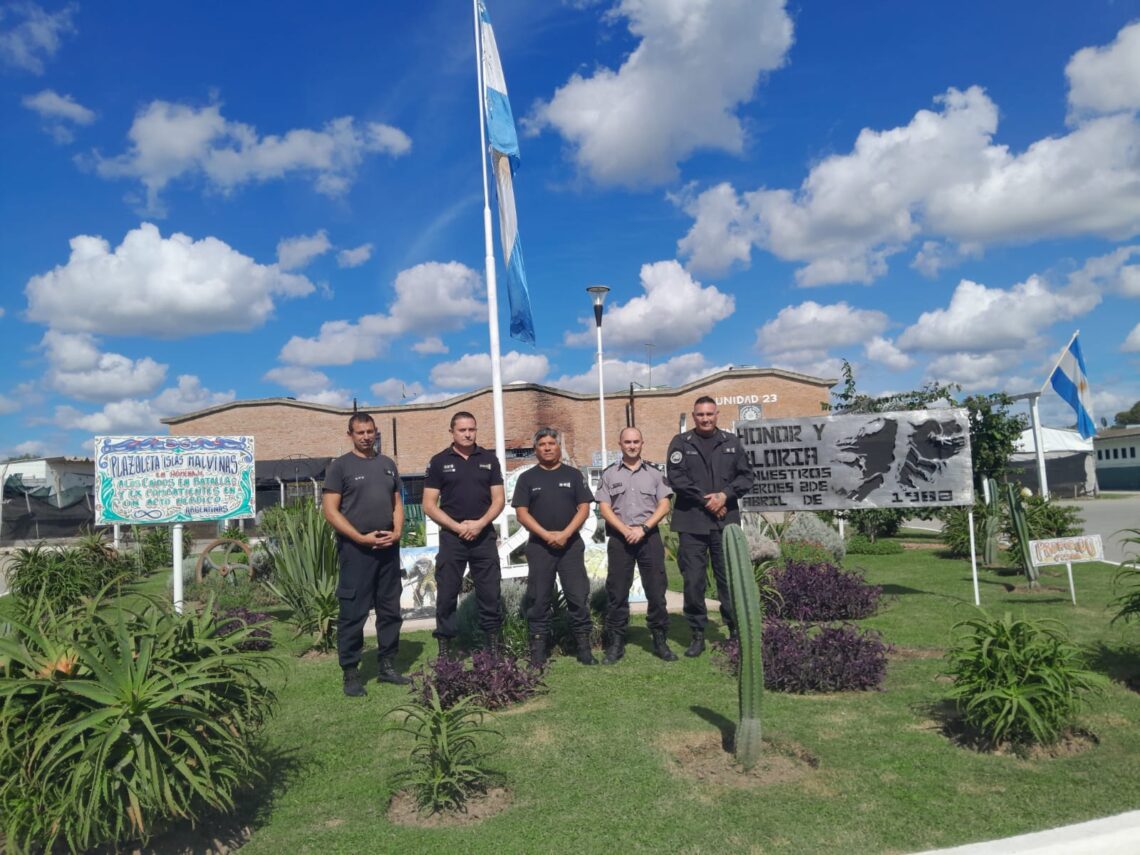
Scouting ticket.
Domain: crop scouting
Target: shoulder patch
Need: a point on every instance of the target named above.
(651, 464)
(676, 457)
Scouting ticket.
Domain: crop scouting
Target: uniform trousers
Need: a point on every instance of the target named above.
(369, 579)
(569, 565)
(694, 553)
(453, 558)
(649, 555)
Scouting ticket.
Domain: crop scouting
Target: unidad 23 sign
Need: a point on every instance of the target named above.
(173, 479)
(911, 459)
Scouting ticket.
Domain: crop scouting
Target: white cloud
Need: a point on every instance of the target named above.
(812, 362)
(675, 311)
(59, 112)
(676, 93)
(969, 370)
(1106, 79)
(78, 369)
(170, 141)
(941, 176)
(431, 344)
(296, 252)
(29, 448)
(618, 374)
(1132, 342)
(8, 405)
(473, 370)
(393, 390)
(429, 297)
(835, 325)
(936, 256)
(885, 352)
(354, 257)
(307, 384)
(328, 397)
(980, 319)
(29, 35)
(132, 415)
(1110, 273)
(150, 285)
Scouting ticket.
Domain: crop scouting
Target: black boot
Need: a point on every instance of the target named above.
(661, 646)
(444, 647)
(387, 673)
(538, 650)
(615, 650)
(585, 655)
(352, 685)
(495, 644)
(696, 646)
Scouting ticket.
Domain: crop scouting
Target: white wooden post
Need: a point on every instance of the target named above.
(177, 549)
(974, 560)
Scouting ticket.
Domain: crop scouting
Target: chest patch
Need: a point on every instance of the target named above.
(449, 467)
(485, 466)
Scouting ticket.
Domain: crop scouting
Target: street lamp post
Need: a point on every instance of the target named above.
(598, 295)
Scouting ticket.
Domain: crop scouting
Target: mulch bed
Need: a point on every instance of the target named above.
(403, 810)
(704, 757)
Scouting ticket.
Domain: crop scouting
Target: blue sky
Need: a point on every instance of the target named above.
(217, 201)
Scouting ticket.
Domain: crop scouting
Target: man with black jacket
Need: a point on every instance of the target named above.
(708, 471)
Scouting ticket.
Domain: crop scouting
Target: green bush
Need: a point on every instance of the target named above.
(858, 544)
(448, 760)
(1127, 604)
(956, 527)
(1017, 681)
(805, 552)
(63, 576)
(232, 591)
(154, 548)
(305, 571)
(121, 716)
(415, 534)
(807, 527)
(874, 523)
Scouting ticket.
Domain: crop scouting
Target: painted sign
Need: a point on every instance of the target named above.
(1067, 550)
(173, 479)
(912, 459)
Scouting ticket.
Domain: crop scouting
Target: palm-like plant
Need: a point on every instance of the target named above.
(305, 571)
(1128, 577)
(114, 717)
(448, 760)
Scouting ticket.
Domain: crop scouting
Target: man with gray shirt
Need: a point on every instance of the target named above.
(633, 498)
(362, 502)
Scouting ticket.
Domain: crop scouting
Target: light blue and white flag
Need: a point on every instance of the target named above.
(505, 158)
(1070, 380)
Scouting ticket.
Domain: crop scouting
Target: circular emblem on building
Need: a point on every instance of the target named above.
(750, 412)
(675, 457)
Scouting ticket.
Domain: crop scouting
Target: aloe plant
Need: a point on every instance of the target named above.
(746, 605)
(305, 571)
(991, 525)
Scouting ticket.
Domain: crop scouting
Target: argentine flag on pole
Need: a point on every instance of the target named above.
(505, 158)
(1070, 380)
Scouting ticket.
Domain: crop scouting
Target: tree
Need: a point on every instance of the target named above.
(1131, 416)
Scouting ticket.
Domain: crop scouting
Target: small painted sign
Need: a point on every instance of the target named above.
(173, 479)
(1067, 550)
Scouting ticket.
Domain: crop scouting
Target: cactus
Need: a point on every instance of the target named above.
(746, 605)
(991, 525)
(1021, 527)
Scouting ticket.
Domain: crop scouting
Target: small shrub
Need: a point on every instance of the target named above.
(805, 552)
(801, 658)
(1017, 681)
(234, 532)
(415, 534)
(808, 527)
(858, 544)
(494, 681)
(64, 576)
(1044, 520)
(1127, 604)
(819, 592)
(237, 619)
(306, 570)
(121, 716)
(229, 592)
(448, 760)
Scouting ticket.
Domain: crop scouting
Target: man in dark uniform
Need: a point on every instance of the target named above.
(463, 493)
(708, 470)
(633, 498)
(362, 502)
(552, 502)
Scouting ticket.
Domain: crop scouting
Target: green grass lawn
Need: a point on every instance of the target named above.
(590, 766)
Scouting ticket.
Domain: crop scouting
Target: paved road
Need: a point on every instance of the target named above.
(1107, 517)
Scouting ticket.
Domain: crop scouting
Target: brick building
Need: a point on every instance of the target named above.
(411, 433)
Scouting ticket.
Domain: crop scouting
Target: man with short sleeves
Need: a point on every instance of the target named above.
(552, 502)
(633, 498)
(708, 470)
(463, 494)
(362, 502)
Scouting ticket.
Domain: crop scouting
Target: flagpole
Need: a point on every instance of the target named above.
(489, 265)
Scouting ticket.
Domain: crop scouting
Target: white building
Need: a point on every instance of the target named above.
(1118, 458)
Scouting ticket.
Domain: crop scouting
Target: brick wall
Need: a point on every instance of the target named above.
(282, 427)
